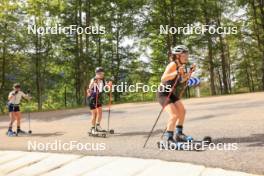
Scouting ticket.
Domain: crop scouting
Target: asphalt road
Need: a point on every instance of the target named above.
(227, 119)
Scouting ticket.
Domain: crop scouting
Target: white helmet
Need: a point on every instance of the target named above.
(179, 49)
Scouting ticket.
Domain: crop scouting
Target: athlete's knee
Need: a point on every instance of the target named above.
(173, 118)
(183, 111)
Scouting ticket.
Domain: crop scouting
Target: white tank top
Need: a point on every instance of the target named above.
(17, 97)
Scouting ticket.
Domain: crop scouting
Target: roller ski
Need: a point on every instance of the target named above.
(184, 142)
(111, 131)
(23, 133)
(174, 145)
(97, 132)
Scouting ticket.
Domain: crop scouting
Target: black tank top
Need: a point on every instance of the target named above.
(95, 90)
(170, 83)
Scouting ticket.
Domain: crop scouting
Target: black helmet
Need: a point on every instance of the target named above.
(179, 49)
(99, 69)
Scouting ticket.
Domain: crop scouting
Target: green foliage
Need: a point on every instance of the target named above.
(58, 67)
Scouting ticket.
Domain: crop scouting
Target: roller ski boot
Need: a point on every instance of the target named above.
(180, 142)
(181, 137)
(99, 129)
(195, 144)
(21, 132)
(10, 133)
(169, 143)
(97, 132)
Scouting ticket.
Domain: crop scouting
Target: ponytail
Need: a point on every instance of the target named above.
(174, 57)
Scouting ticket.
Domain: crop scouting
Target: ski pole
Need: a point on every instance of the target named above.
(29, 121)
(29, 118)
(163, 106)
(109, 110)
(186, 83)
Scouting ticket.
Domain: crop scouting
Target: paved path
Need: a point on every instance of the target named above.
(15, 163)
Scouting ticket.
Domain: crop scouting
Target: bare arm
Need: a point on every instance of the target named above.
(90, 87)
(187, 76)
(169, 73)
(26, 96)
(10, 96)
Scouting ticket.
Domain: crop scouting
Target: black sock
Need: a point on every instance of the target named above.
(169, 135)
(179, 129)
(18, 128)
(9, 128)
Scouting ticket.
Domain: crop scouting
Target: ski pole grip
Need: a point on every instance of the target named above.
(192, 67)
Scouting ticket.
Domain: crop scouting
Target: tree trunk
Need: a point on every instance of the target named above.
(257, 33)
(3, 63)
(99, 52)
(210, 52)
(229, 69)
(88, 63)
(37, 71)
(172, 21)
(220, 81)
(222, 49)
(223, 62)
(117, 59)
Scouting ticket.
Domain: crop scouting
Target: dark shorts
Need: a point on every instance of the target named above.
(164, 101)
(13, 108)
(93, 104)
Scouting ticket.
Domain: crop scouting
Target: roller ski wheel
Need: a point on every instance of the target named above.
(111, 131)
(23, 133)
(97, 134)
(207, 140)
(183, 138)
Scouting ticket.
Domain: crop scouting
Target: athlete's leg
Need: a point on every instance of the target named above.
(172, 111)
(180, 111)
(99, 118)
(18, 119)
(94, 114)
(12, 120)
(180, 136)
(99, 115)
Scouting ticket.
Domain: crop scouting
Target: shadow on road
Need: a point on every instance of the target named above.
(254, 140)
(47, 134)
(141, 133)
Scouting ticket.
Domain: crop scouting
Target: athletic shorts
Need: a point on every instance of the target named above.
(92, 102)
(164, 101)
(13, 108)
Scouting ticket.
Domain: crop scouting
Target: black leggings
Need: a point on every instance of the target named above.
(93, 104)
(164, 100)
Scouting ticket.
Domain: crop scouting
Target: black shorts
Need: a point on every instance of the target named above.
(164, 100)
(13, 108)
(93, 104)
